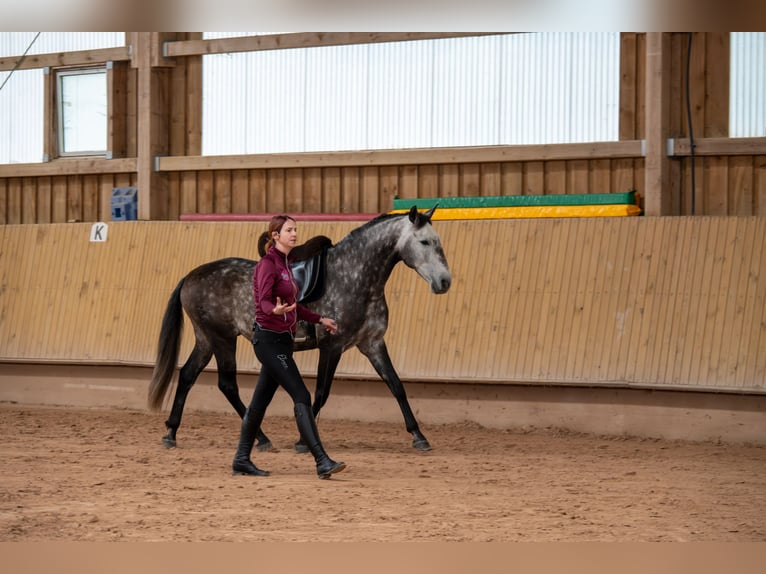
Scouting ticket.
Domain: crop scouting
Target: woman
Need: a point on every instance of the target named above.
(276, 317)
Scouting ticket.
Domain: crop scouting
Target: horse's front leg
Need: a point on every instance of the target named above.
(377, 353)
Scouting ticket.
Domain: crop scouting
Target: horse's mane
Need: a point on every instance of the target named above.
(316, 244)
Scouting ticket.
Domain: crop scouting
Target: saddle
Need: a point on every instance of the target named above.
(307, 265)
(310, 276)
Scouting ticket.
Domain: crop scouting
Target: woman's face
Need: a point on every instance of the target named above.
(286, 238)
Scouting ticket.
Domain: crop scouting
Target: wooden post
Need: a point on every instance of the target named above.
(153, 121)
(658, 200)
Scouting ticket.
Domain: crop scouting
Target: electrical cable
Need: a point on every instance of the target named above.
(21, 59)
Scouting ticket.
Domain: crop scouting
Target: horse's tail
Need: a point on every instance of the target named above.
(167, 349)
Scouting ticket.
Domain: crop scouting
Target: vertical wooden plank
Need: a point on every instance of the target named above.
(50, 140)
(534, 178)
(449, 180)
(205, 192)
(370, 196)
(3, 201)
(408, 182)
(656, 163)
(222, 191)
(716, 181)
(470, 180)
(313, 190)
(490, 179)
(628, 87)
(258, 190)
(188, 191)
(549, 301)
(300, 185)
(194, 100)
(512, 179)
(707, 300)
(664, 303)
(105, 186)
(428, 181)
(90, 198)
(275, 191)
(555, 178)
(735, 291)
(600, 176)
(14, 200)
(717, 73)
(178, 112)
(331, 192)
(239, 191)
(117, 109)
(639, 257)
(740, 185)
(754, 331)
(389, 186)
(350, 190)
(173, 207)
(759, 186)
(59, 199)
(677, 104)
(29, 200)
(131, 118)
(578, 176)
(74, 198)
(622, 175)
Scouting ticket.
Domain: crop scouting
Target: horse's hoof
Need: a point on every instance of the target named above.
(266, 447)
(421, 444)
(168, 442)
(301, 448)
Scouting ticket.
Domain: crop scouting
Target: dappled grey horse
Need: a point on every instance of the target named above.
(218, 299)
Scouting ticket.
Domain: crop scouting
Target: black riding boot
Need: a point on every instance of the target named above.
(242, 464)
(308, 429)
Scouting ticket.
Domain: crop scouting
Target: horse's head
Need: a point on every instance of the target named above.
(420, 248)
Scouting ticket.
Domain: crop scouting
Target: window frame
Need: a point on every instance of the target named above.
(57, 103)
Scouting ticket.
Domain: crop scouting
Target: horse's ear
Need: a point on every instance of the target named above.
(428, 214)
(420, 219)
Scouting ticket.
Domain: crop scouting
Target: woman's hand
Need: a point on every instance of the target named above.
(329, 324)
(282, 308)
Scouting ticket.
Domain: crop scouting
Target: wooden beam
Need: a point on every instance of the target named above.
(68, 167)
(718, 146)
(300, 40)
(78, 58)
(457, 155)
(657, 193)
(152, 120)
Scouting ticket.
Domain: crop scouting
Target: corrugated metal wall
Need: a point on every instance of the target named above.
(489, 90)
(747, 112)
(21, 100)
(651, 302)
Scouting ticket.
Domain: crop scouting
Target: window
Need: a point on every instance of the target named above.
(535, 88)
(81, 104)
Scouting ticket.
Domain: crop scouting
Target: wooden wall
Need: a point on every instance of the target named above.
(371, 189)
(667, 303)
(156, 116)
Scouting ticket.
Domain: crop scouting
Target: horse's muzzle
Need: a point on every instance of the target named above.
(441, 285)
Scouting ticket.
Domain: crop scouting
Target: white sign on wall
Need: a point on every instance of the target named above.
(98, 232)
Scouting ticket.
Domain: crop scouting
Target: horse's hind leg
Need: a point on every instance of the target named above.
(226, 358)
(377, 353)
(199, 357)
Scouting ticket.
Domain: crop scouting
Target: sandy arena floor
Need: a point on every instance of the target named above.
(103, 475)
